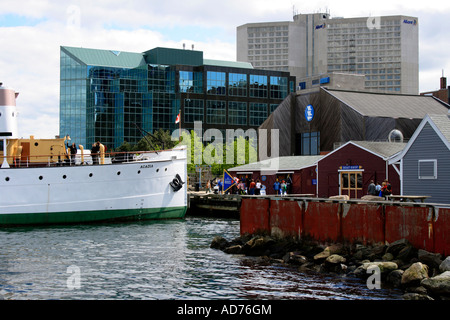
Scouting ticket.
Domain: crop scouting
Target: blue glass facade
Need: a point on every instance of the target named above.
(102, 99)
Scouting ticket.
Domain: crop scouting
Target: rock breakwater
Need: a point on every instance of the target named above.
(422, 275)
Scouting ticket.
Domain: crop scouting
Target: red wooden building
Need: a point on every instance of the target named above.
(301, 169)
(349, 169)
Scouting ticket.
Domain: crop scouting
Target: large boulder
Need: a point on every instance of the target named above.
(432, 260)
(384, 267)
(415, 274)
(328, 251)
(335, 259)
(407, 253)
(234, 249)
(445, 265)
(295, 258)
(416, 297)
(335, 263)
(257, 246)
(219, 243)
(396, 246)
(439, 285)
(395, 278)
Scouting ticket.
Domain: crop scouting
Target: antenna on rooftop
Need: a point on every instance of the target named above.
(294, 11)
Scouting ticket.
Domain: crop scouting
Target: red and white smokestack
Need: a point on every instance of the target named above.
(8, 118)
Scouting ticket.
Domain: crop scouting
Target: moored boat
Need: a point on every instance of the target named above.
(40, 183)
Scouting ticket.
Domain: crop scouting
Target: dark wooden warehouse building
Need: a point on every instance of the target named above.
(318, 122)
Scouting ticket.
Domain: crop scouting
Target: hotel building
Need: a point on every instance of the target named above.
(314, 46)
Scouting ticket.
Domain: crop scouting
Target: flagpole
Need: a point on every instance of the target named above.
(179, 131)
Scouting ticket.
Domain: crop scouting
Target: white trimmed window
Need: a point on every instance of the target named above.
(427, 169)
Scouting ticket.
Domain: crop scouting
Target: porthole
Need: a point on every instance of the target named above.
(90, 175)
(7, 179)
(64, 177)
(139, 172)
(36, 144)
(41, 177)
(157, 170)
(118, 173)
(166, 169)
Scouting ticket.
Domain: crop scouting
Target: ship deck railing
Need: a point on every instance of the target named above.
(80, 159)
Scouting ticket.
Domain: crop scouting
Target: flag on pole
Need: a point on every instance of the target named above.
(177, 120)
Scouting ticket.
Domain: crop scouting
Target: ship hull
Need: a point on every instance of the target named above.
(137, 190)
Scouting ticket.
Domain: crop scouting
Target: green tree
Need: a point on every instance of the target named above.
(159, 140)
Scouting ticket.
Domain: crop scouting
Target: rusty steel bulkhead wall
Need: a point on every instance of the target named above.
(362, 223)
(412, 223)
(425, 226)
(254, 214)
(441, 230)
(286, 218)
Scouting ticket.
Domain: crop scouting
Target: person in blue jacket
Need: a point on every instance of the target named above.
(219, 183)
(276, 187)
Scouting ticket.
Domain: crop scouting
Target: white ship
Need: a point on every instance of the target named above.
(41, 184)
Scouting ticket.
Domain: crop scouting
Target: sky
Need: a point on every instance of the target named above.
(32, 31)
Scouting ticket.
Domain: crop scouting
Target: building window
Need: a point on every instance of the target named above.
(191, 82)
(237, 113)
(278, 87)
(427, 169)
(237, 85)
(273, 107)
(258, 86)
(216, 83)
(258, 114)
(310, 143)
(193, 110)
(216, 112)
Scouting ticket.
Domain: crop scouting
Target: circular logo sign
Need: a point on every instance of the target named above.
(309, 113)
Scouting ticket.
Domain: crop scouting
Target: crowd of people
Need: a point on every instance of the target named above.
(383, 190)
(249, 186)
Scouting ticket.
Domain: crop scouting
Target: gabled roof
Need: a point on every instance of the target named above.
(440, 124)
(384, 150)
(282, 163)
(106, 58)
(390, 105)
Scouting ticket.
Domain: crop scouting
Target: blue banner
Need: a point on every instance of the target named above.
(228, 181)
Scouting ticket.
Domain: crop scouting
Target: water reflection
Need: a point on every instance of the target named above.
(154, 260)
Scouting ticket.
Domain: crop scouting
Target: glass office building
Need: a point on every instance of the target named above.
(109, 96)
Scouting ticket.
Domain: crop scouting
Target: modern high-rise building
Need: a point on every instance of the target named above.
(313, 46)
(109, 96)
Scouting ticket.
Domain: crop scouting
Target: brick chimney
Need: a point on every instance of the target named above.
(443, 81)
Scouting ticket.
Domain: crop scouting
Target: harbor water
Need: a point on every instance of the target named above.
(169, 260)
